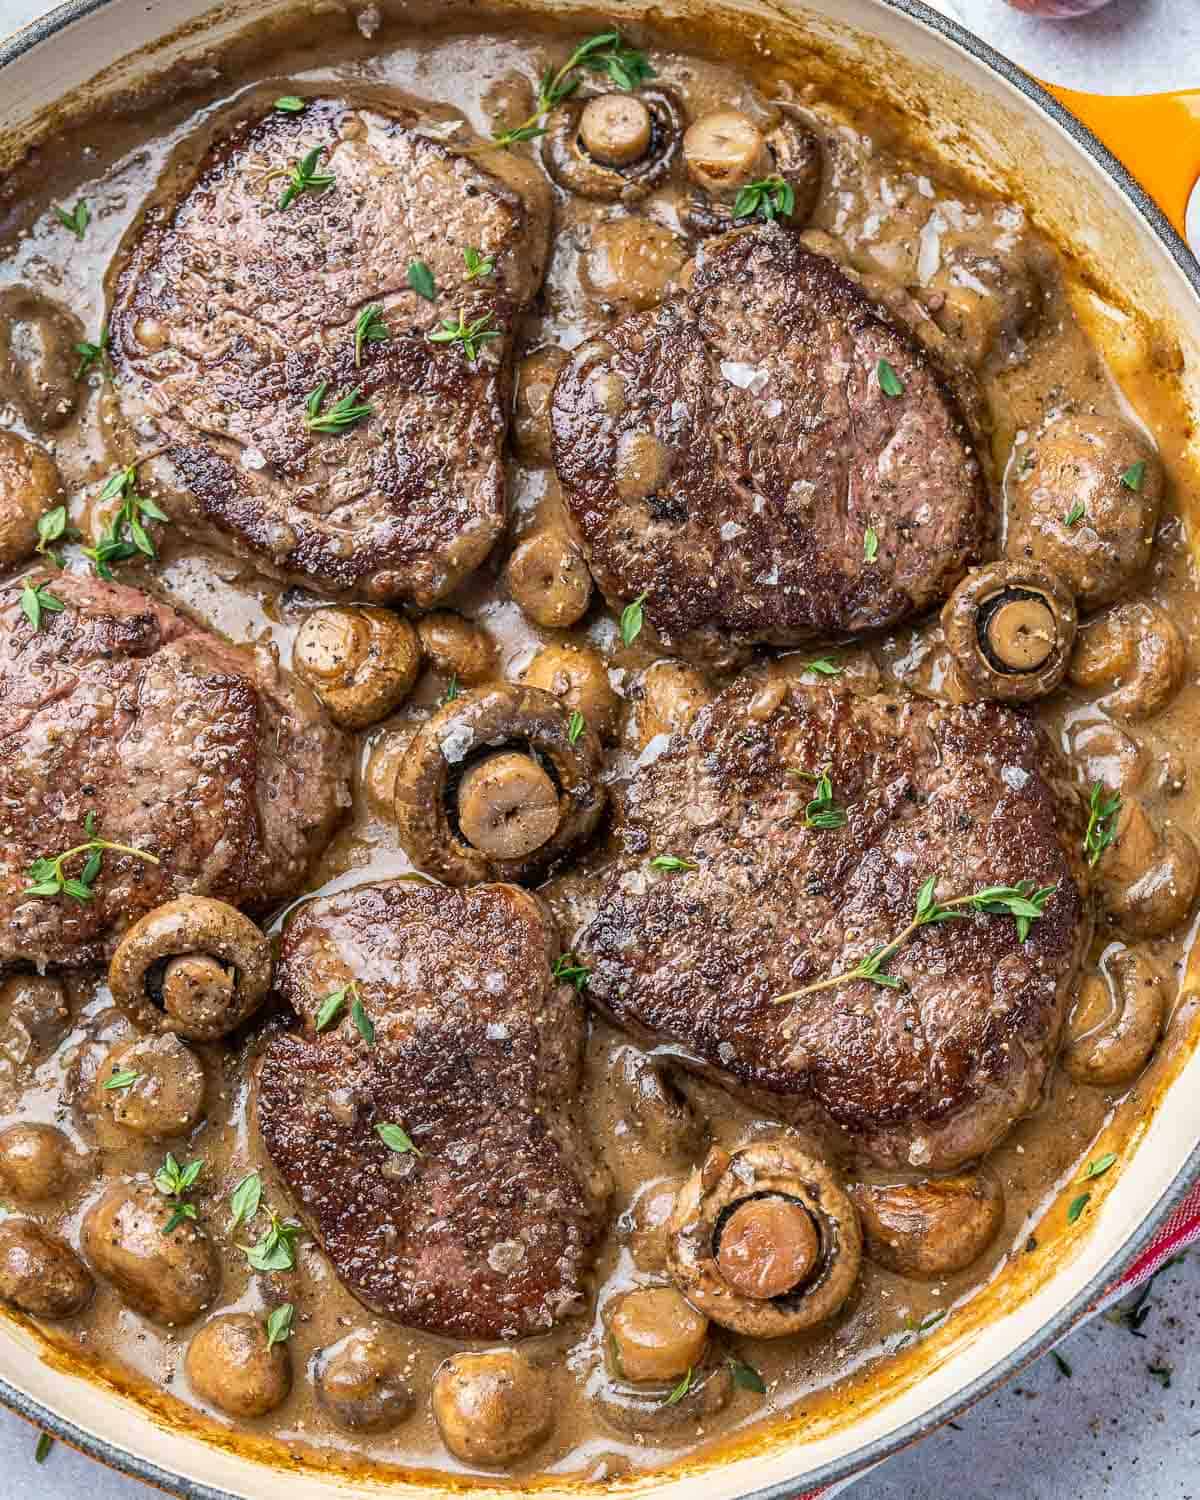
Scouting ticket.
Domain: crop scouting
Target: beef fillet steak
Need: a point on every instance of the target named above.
(473, 1049)
(207, 755)
(766, 458)
(230, 311)
(925, 1075)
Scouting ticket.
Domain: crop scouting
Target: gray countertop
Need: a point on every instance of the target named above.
(1125, 1421)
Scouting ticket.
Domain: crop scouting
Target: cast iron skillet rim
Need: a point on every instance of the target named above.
(1055, 1328)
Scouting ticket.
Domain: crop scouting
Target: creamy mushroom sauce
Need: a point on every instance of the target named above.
(115, 164)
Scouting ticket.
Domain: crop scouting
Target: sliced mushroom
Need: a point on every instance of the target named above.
(668, 1409)
(29, 485)
(1010, 628)
(194, 966)
(533, 726)
(615, 148)
(577, 675)
(931, 1228)
(1135, 649)
(765, 1240)
(1117, 1019)
(361, 663)
(726, 151)
(1147, 879)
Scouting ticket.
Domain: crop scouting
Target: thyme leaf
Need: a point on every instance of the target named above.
(77, 220)
(889, 382)
(769, 198)
(369, 328)
(1101, 825)
(346, 412)
(279, 1325)
(420, 280)
(603, 53)
(304, 178)
(471, 335)
(633, 618)
(47, 875)
(568, 969)
(396, 1139)
(36, 600)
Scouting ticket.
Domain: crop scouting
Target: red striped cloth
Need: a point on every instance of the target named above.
(1180, 1229)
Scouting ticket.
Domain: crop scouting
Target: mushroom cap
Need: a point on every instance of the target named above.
(191, 926)
(795, 155)
(772, 1173)
(468, 728)
(568, 162)
(1010, 627)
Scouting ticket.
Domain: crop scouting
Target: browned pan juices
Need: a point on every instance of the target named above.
(1085, 349)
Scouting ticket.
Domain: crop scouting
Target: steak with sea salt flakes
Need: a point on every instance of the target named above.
(229, 312)
(736, 456)
(927, 1075)
(475, 1051)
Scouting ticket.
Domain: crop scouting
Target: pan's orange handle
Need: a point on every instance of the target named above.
(1157, 136)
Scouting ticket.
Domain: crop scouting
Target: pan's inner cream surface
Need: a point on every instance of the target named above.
(884, 213)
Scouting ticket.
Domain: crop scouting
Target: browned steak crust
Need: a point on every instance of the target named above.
(780, 455)
(205, 754)
(489, 1232)
(927, 1075)
(227, 313)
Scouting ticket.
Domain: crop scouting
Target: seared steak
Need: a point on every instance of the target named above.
(767, 458)
(475, 1052)
(228, 312)
(207, 755)
(925, 1075)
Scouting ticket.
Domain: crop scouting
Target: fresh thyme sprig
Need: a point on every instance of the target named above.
(568, 968)
(304, 178)
(1101, 826)
(77, 220)
(36, 600)
(472, 336)
(126, 534)
(769, 198)
(276, 1249)
(174, 1183)
(477, 264)
(822, 811)
(48, 876)
(604, 53)
(369, 328)
(1022, 902)
(345, 412)
(91, 354)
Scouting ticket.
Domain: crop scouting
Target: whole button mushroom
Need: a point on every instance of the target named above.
(645, 1224)
(360, 1382)
(37, 1162)
(435, 786)
(1010, 627)
(613, 147)
(577, 675)
(492, 1408)
(29, 486)
(34, 1017)
(930, 1228)
(1083, 500)
(232, 1364)
(457, 648)
(665, 700)
(728, 156)
(170, 1278)
(765, 1241)
(40, 1275)
(1147, 878)
(166, 1095)
(361, 663)
(631, 263)
(1136, 651)
(38, 357)
(549, 579)
(1116, 1020)
(536, 375)
(194, 966)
